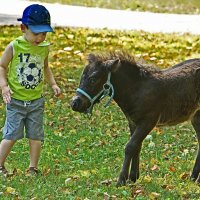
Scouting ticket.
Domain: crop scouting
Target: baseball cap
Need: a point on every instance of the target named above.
(37, 18)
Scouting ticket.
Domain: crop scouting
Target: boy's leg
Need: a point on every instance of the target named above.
(13, 129)
(35, 131)
(35, 148)
(5, 148)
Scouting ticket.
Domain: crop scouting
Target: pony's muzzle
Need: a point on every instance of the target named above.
(75, 103)
(79, 104)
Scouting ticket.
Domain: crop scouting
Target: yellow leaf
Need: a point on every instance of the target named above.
(81, 140)
(70, 36)
(10, 190)
(147, 179)
(184, 175)
(93, 171)
(154, 161)
(154, 195)
(85, 173)
(77, 52)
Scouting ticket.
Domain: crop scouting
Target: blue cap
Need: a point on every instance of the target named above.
(37, 18)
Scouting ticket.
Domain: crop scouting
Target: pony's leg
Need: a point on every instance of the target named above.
(195, 176)
(132, 150)
(134, 172)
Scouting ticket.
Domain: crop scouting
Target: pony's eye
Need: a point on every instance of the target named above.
(92, 80)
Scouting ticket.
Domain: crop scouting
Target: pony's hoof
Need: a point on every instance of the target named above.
(198, 180)
(133, 177)
(122, 180)
(195, 178)
(120, 183)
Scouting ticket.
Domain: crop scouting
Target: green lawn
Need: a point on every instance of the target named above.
(166, 6)
(81, 157)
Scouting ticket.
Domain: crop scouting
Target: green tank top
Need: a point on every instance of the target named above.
(26, 70)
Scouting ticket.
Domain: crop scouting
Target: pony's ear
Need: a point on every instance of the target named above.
(112, 65)
(91, 58)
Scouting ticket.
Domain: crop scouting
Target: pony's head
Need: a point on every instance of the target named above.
(95, 83)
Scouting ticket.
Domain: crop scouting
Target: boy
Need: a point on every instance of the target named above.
(22, 85)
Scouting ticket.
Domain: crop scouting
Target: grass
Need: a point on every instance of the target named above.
(81, 157)
(166, 6)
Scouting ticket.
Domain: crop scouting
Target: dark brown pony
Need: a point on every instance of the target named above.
(147, 96)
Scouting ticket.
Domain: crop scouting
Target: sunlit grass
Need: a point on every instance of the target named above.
(166, 6)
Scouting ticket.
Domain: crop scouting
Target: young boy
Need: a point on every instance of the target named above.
(22, 85)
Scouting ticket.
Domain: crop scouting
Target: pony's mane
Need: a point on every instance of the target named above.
(125, 57)
(122, 55)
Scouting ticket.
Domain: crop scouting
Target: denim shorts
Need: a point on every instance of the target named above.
(24, 118)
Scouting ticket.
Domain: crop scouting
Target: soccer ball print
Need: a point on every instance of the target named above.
(29, 74)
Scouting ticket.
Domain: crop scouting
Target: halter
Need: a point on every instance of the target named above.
(107, 90)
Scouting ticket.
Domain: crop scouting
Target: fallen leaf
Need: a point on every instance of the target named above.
(137, 191)
(172, 169)
(168, 187)
(10, 190)
(147, 179)
(154, 195)
(46, 172)
(106, 182)
(184, 176)
(70, 36)
(85, 173)
(67, 180)
(155, 167)
(106, 196)
(68, 48)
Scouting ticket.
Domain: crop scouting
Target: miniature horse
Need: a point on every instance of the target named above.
(147, 96)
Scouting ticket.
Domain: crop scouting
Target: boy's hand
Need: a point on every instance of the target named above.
(56, 90)
(6, 93)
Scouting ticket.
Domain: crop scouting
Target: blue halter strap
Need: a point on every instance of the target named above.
(107, 90)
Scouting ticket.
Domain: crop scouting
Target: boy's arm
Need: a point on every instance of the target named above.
(50, 78)
(4, 62)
